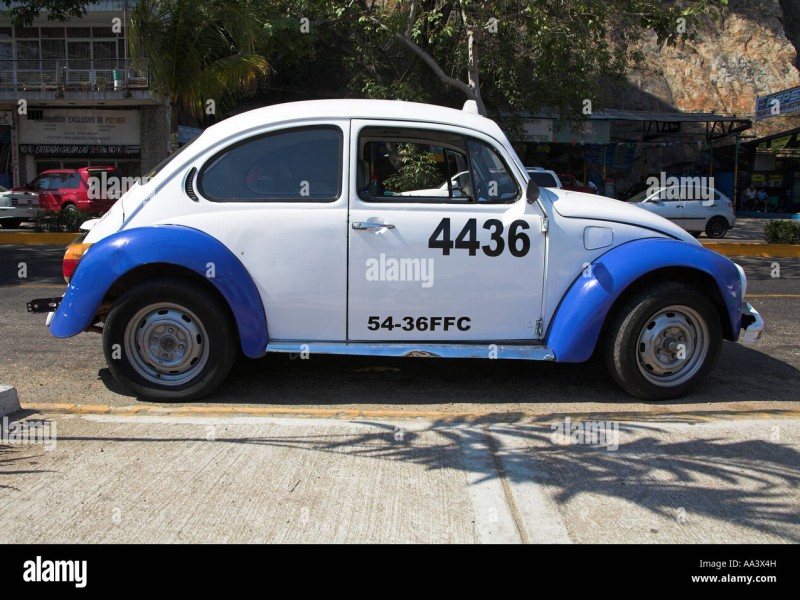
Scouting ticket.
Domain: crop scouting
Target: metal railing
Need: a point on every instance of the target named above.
(72, 75)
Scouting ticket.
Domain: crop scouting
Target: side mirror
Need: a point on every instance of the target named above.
(532, 193)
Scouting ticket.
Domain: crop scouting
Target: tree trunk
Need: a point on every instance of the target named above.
(473, 75)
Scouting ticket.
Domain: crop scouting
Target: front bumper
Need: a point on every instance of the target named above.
(19, 212)
(752, 324)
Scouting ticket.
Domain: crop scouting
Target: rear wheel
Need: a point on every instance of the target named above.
(663, 341)
(717, 228)
(169, 340)
(69, 207)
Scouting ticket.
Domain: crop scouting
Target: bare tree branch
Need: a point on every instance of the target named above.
(429, 60)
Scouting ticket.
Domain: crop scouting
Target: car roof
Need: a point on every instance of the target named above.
(392, 110)
(49, 171)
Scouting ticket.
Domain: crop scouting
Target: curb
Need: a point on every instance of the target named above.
(754, 249)
(26, 238)
(249, 410)
(9, 400)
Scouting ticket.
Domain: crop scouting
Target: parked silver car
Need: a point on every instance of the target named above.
(695, 209)
(16, 207)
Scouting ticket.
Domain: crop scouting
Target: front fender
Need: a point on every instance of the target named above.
(575, 327)
(109, 259)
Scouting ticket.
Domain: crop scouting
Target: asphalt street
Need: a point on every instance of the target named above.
(45, 369)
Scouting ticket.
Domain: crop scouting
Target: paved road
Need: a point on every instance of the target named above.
(45, 369)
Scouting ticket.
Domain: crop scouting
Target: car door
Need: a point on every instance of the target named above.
(467, 266)
(698, 205)
(50, 191)
(667, 204)
(277, 199)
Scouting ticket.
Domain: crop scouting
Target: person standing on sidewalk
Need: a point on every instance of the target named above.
(750, 195)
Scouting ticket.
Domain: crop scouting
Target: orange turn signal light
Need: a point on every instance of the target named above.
(72, 257)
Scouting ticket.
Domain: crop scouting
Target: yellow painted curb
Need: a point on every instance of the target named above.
(754, 249)
(663, 416)
(28, 238)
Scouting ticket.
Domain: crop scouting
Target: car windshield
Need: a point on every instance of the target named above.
(543, 179)
(640, 196)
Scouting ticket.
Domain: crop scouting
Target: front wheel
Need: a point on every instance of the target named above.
(169, 340)
(663, 341)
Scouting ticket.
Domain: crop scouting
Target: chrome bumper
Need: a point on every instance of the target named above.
(752, 324)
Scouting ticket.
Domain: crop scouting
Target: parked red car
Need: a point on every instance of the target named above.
(69, 189)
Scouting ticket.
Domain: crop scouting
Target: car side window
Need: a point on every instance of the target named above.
(73, 181)
(57, 181)
(428, 166)
(493, 182)
(296, 165)
(43, 183)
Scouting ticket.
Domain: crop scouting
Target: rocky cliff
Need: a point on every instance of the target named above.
(751, 50)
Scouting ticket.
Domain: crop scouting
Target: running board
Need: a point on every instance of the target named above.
(480, 350)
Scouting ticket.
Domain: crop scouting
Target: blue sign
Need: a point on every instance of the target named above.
(779, 103)
(187, 134)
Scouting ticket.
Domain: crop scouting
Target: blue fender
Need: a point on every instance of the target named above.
(112, 257)
(575, 327)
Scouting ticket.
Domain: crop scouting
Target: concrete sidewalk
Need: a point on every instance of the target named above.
(146, 478)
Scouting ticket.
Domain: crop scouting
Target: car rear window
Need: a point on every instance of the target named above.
(292, 165)
(543, 179)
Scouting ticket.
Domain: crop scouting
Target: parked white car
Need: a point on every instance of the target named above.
(696, 209)
(240, 241)
(16, 207)
(544, 178)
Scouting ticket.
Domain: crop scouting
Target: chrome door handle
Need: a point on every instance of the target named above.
(361, 225)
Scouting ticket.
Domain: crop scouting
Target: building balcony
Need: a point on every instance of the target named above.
(79, 81)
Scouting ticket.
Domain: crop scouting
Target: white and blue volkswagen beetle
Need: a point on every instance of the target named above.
(386, 228)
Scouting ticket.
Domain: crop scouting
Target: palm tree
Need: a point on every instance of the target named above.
(196, 51)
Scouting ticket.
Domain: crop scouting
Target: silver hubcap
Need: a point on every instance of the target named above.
(167, 344)
(672, 346)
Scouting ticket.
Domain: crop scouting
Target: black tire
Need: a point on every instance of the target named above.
(642, 335)
(716, 228)
(193, 328)
(10, 223)
(70, 207)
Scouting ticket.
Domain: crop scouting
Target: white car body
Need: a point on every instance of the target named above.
(690, 208)
(326, 272)
(16, 206)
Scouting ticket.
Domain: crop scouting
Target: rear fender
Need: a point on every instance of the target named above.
(114, 256)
